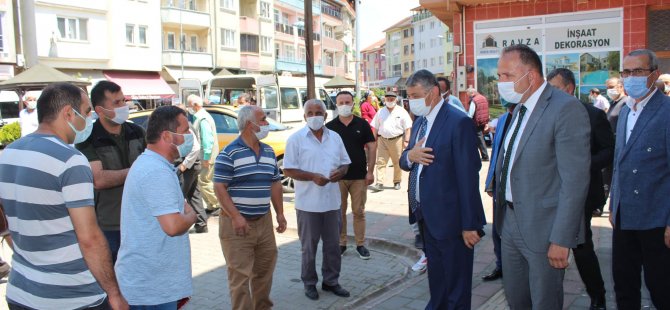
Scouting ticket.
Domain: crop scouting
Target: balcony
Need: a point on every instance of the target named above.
(331, 11)
(284, 28)
(300, 4)
(296, 65)
(249, 25)
(191, 59)
(171, 16)
(315, 36)
(333, 45)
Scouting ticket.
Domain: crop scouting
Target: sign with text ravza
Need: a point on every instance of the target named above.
(597, 36)
(491, 44)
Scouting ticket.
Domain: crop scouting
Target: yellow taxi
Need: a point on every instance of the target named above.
(225, 120)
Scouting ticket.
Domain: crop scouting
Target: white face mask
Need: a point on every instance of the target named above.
(507, 92)
(315, 122)
(120, 114)
(264, 131)
(613, 93)
(390, 104)
(418, 107)
(344, 110)
(32, 104)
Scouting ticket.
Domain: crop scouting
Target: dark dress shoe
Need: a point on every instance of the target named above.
(418, 242)
(335, 289)
(494, 275)
(597, 212)
(598, 303)
(311, 293)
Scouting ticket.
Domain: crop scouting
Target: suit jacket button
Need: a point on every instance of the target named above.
(636, 192)
(648, 149)
(634, 171)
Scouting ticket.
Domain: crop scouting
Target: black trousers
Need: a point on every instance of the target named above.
(587, 261)
(189, 187)
(634, 251)
(482, 144)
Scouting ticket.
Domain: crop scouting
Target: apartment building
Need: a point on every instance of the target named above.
(7, 40)
(373, 64)
(103, 39)
(399, 55)
(433, 41)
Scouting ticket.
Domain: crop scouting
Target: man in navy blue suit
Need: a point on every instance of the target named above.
(443, 161)
(640, 209)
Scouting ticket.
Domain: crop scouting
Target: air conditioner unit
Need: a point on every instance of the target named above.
(457, 48)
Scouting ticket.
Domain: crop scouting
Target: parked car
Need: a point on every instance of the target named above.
(225, 119)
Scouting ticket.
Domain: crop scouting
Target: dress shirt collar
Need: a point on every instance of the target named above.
(531, 102)
(308, 131)
(433, 114)
(640, 105)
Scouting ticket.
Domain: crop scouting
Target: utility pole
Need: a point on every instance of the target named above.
(309, 51)
(358, 48)
(182, 44)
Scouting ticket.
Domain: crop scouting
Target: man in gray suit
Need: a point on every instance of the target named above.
(543, 177)
(640, 186)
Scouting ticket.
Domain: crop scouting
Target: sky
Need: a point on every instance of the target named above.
(377, 15)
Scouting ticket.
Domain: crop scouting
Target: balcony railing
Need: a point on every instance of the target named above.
(331, 10)
(315, 36)
(284, 28)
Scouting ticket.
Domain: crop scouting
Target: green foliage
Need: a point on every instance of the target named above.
(9, 133)
(379, 92)
(357, 107)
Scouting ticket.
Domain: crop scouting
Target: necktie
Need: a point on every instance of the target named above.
(508, 153)
(413, 204)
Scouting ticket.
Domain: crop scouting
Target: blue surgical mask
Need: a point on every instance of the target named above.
(81, 136)
(185, 147)
(636, 86)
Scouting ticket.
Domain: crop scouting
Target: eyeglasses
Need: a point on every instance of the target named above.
(635, 72)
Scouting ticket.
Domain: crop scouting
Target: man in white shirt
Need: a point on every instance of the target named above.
(598, 100)
(316, 159)
(28, 116)
(392, 128)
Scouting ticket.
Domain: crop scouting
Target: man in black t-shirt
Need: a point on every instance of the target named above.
(358, 138)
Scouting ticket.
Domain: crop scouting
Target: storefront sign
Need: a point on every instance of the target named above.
(491, 44)
(600, 36)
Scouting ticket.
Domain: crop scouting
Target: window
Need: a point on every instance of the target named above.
(289, 52)
(182, 43)
(432, 43)
(411, 31)
(194, 43)
(265, 9)
(328, 30)
(227, 38)
(330, 60)
(277, 50)
(421, 28)
(190, 4)
(449, 58)
(269, 97)
(73, 28)
(432, 61)
(425, 63)
(450, 37)
(228, 4)
(266, 43)
(284, 18)
(406, 50)
(441, 60)
(2, 37)
(413, 66)
(142, 35)
(276, 16)
(130, 33)
(405, 33)
(406, 66)
(289, 98)
(302, 54)
(170, 41)
(248, 43)
(432, 25)
(440, 41)
(224, 123)
(412, 48)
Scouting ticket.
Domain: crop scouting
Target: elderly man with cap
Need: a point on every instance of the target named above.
(392, 127)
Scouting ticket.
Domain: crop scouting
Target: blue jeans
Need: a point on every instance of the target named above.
(166, 306)
(114, 240)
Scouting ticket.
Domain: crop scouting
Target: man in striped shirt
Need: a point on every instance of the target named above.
(246, 179)
(61, 258)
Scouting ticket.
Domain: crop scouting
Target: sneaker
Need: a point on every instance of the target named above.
(201, 229)
(363, 252)
(396, 186)
(418, 242)
(377, 188)
(4, 269)
(343, 248)
(421, 265)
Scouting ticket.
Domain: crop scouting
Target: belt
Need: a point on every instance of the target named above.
(509, 205)
(396, 137)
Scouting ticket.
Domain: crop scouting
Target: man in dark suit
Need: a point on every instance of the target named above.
(444, 165)
(543, 175)
(640, 209)
(602, 154)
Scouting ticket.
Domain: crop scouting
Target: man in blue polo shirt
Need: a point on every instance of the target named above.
(246, 179)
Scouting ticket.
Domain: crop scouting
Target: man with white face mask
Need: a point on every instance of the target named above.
(392, 128)
(246, 180)
(28, 116)
(357, 137)
(317, 160)
(111, 149)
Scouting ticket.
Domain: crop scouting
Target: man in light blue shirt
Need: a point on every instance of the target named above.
(445, 92)
(154, 263)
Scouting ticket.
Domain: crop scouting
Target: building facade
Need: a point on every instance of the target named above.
(7, 40)
(399, 55)
(373, 64)
(433, 41)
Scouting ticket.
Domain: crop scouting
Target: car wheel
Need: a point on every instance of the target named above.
(288, 184)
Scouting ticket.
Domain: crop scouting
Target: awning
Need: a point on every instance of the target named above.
(140, 85)
(201, 74)
(394, 81)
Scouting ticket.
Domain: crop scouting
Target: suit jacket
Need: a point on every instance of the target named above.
(449, 187)
(641, 180)
(497, 142)
(602, 155)
(549, 176)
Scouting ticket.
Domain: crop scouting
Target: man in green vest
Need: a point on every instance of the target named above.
(205, 131)
(111, 149)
